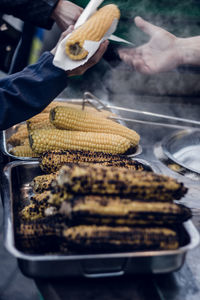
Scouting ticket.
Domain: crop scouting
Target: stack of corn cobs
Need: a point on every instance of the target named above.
(93, 202)
(68, 127)
(91, 197)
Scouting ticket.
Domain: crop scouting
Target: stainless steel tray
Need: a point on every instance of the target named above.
(16, 178)
(5, 147)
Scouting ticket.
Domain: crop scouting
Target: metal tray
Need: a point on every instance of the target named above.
(16, 178)
(5, 134)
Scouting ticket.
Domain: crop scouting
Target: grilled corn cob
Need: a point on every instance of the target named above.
(102, 210)
(40, 198)
(53, 160)
(106, 238)
(74, 119)
(94, 29)
(23, 151)
(42, 183)
(33, 211)
(44, 140)
(94, 179)
(18, 138)
(40, 236)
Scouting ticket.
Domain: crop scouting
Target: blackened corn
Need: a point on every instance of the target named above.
(43, 183)
(94, 238)
(40, 236)
(53, 160)
(94, 179)
(102, 210)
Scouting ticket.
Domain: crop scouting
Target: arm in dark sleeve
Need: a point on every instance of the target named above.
(37, 12)
(26, 93)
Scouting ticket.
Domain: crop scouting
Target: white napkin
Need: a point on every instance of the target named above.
(61, 59)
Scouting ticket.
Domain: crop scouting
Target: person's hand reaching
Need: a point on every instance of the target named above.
(160, 54)
(66, 13)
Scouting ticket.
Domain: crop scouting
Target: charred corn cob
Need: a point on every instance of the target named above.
(18, 138)
(74, 119)
(94, 29)
(94, 179)
(122, 211)
(40, 198)
(44, 140)
(42, 183)
(33, 211)
(23, 151)
(40, 236)
(53, 160)
(106, 238)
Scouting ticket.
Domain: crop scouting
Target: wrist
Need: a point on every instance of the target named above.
(56, 10)
(189, 50)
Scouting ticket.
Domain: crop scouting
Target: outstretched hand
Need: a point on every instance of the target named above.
(160, 54)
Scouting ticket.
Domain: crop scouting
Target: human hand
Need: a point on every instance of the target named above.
(66, 13)
(160, 54)
(91, 62)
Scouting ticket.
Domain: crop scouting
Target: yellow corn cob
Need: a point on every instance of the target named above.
(103, 113)
(23, 151)
(46, 124)
(94, 29)
(25, 142)
(44, 140)
(74, 119)
(18, 138)
(42, 117)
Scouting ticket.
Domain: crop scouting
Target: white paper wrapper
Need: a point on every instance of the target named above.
(61, 59)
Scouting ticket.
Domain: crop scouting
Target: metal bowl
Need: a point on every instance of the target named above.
(183, 147)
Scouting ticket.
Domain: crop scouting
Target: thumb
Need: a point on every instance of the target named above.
(145, 26)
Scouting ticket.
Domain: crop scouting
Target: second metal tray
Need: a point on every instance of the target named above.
(16, 178)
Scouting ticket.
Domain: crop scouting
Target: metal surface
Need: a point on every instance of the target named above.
(98, 104)
(183, 148)
(16, 178)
